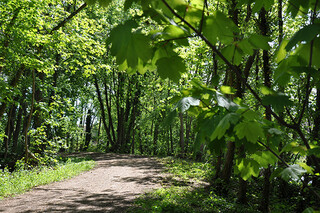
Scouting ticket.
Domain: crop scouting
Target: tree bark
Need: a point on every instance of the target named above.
(103, 111)
(182, 141)
(264, 28)
(88, 130)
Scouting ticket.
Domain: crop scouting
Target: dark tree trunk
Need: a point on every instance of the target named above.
(218, 167)
(188, 132)
(103, 112)
(108, 104)
(88, 130)
(227, 169)
(264, 28)
(155, 138)
(9, 128)
(13, 84)
(16, 132)
(182, 141)
(171, 139)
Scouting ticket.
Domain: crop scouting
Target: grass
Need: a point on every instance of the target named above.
(22, 180)
(186, 190)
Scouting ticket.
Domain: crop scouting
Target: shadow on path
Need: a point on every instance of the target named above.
(110, 187)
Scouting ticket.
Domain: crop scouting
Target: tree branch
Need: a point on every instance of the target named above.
(229, 64)
(62, 23)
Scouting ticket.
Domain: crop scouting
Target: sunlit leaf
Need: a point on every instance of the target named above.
(247, 168)
(306, 34)
(185, 103)
(293, 172)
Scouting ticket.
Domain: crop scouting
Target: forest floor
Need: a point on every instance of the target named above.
(110, 187)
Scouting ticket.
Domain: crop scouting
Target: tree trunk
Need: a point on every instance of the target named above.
(171, 139)
(155, 138)
(88, 130)
(103, 112)
(227, 169)
(9, 128)
(182, 141)
(264, 28)
(188, 131)
(13, 84)
(16, 132)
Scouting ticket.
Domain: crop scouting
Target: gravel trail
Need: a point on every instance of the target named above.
(110, 187)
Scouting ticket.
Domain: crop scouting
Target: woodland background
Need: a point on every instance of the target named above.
(236, 83)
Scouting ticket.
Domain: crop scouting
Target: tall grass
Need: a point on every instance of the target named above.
(22, 180)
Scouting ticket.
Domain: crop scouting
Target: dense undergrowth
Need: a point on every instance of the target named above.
(187, 189)
(22, 179)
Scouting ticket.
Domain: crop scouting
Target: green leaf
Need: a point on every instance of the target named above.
(250, 130)
(104, 3)
(185, 103)
(264, 158)
(128, 4)
(309, 210)
(266, 90)
(219, 27)
(227, 90)
(224, 125)
(247, 168)
(307, 168)
(275, 131)
(171, 67)
(259, 42)
(314, 151)
(306, 34)
(303, 54)
(226, 102)
(250, 115)
(129, 46)
(246, 47)
(233, 54)
(293, 172)
(281, 52)
(277, 101)
(173, 31)
(90, 2)
(295, 148)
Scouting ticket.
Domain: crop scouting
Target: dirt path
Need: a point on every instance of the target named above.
(110, 187)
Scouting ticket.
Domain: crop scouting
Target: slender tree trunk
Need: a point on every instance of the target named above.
(103, 112)
(109, 110)
(188, 131)
(218, 167)
(9, 129)
(264, 27)
(232, 81)
(26, 145)
(88, 130)
(16, 132)
(13, 84)
(182, 141)
(171, 139)
(155, 138)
